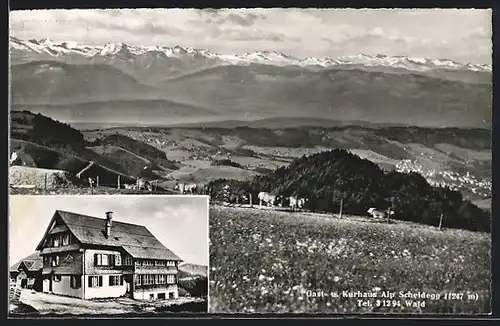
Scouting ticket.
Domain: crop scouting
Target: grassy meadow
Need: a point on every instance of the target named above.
(269, 261)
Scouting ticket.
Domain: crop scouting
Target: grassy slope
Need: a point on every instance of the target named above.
(265, 261)
(45, 157)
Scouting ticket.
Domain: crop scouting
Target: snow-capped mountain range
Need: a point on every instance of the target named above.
(125, 51)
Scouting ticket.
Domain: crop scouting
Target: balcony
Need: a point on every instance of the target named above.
(52, 250)
(157, 269)
(153, 286)
(114, 267)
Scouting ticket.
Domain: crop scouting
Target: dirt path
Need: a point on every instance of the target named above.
(50, 304)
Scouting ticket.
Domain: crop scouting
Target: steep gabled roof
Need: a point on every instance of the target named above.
(32, 262)
(134, 239)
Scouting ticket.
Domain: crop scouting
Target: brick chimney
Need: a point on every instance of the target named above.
(109, 220)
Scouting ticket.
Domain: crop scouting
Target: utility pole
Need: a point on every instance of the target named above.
(341, 204)
(390, 210)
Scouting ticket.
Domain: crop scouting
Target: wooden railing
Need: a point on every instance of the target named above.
(153, 286)
(164, 268)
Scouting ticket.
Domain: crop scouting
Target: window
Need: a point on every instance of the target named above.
(160, 263)
(161, 279)
(148, 279)
(95, 281)
(115, 280)
(170, 263)
(118, 260)
(151, 296)
(57, 278)
(161, 296)
(147, 263)
(170, 279)
(76, 282)
(55, 242)
(98, 260)
(65, 240)
(105, 260)
(137, 279)
(128, 261)
(55, 261)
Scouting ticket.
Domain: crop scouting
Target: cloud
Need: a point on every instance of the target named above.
(247, 19)
(480, 33)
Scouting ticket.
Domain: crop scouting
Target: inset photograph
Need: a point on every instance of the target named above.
(107, 255)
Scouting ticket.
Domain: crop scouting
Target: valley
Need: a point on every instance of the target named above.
(457, 158)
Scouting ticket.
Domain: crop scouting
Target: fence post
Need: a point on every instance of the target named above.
(97, 182)
(251, 204)
(341, 204)
(45, 182)
(118, 181)
(441, 221)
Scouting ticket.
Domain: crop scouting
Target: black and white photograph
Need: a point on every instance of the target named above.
(345, 153)
(91, 256)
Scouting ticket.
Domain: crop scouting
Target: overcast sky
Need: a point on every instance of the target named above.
(459, 34)
(180, 223)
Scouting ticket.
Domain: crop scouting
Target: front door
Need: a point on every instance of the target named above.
(128, 278)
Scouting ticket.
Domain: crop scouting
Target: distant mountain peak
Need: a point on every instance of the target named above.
(126, 51)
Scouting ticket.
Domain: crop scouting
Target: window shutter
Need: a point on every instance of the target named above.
(121, 280)
(100, 280)
(90, 281)
(95, 259)
(111, 259)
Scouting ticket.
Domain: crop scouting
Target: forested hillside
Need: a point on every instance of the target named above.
(48, 143)
(328, 177)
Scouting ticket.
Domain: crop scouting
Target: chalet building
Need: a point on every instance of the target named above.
(89, 257)
(27, 272)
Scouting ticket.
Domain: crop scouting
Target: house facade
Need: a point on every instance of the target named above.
(89, 257)
(27, 273)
